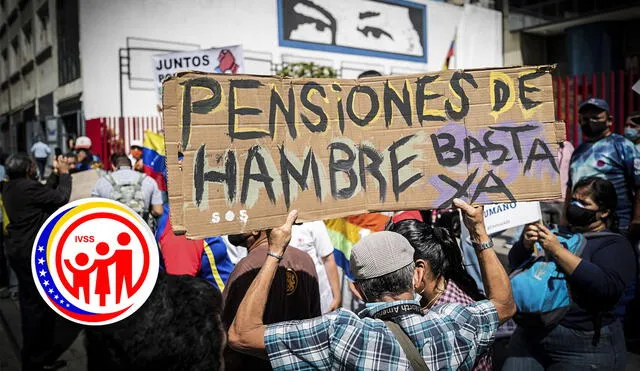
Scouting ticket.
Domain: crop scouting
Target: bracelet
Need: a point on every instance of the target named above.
(279, 257)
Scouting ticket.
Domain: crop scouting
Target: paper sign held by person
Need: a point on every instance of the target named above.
(255, 147)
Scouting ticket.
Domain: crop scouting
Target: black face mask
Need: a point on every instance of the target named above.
(593, 129)
(580, 217)
(238, 239)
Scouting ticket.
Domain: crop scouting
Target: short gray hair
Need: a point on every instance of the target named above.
(391, 284)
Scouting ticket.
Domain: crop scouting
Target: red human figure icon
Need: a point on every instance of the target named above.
(102, 288)
(80, 276)
(123, 259)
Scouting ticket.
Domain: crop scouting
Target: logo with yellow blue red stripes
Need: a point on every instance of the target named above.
(95, 261)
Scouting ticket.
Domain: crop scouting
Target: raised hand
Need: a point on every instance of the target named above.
(531, 234)
(280, 237)
(472, 217)
(62, 164)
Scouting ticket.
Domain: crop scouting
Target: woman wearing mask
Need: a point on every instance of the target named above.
(632, 128)
(589, 336)
(445, 280)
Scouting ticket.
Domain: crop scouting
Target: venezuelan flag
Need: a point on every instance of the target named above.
(451, 52)
(345, 232)
(154, 158)
(215, 263)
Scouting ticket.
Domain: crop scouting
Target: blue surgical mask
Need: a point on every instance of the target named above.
(631, 134)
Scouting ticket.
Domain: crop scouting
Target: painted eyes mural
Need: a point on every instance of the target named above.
(389, 29)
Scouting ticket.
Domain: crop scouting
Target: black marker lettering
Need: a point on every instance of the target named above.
(496, 147)
(528, 103)
(228, 177)
(373, 168)
(288, 171)
(244, 111)
(533, 156)
(396, 166)
(501, 92)
(515, 130)
(306, 90)
(477, 148)
(454, 155)
(199, 107)
(499, 187)
(261, 176)
(403, 105)
(373, 111)
(459, 90)
(288, 112)
(344, 166)
(421, 98)
(462, 190)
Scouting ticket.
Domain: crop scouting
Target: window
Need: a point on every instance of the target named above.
(43, 32)
(14, 55)
(27, 38)
(4, 73)
(68, 41)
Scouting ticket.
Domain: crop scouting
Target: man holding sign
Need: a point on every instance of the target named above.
(445, 337)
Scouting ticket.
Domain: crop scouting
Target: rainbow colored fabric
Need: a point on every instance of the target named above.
(345, 232)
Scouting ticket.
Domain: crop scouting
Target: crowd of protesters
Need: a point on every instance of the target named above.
(427, 302)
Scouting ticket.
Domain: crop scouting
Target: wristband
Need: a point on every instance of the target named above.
(482, 246)
(279, 257)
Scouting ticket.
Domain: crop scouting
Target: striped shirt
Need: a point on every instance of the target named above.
(449, 337)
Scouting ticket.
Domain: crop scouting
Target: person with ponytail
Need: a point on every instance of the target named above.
(446, 280)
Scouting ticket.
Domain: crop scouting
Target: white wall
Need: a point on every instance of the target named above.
(105, 25)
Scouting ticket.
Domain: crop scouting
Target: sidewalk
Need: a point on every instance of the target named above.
(10, 338)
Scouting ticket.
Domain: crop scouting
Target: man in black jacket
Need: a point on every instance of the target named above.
(28, 204)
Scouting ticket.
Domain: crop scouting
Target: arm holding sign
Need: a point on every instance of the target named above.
(496, 281)
(246, 333)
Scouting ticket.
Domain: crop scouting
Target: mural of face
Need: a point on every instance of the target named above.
(362, 24)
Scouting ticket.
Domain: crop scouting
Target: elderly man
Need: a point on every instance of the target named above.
(392, 332)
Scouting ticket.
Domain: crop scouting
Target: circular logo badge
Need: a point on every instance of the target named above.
(95, 261)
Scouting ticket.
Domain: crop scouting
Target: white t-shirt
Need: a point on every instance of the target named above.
(40, 150)
(313, 239)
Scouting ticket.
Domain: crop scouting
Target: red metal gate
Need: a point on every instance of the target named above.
(114, 134)
(614, 86)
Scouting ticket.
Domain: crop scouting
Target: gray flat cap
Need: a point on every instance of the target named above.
(378, 254)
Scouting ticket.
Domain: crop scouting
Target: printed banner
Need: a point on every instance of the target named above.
(498, 218)
(229, 59)
(255, 147)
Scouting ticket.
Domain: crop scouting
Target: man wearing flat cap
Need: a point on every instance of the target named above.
(392, 332)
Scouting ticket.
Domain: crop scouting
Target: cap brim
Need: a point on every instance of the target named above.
(587, 104)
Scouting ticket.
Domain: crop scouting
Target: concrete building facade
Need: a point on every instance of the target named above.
(66, 61)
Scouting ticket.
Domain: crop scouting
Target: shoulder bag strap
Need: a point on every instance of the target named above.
(410, 350)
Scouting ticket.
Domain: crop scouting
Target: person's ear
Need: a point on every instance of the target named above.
(355, 290)
(419, 273)
(604, 214)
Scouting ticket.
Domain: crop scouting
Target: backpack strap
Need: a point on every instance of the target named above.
(111, 180)
(410, 349)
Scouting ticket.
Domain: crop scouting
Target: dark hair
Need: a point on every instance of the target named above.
(18, 165)
(436, 246)
(369, 73)
(392, 284)
(120, 159)
(603, 193)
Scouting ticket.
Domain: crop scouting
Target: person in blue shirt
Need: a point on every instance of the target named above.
(609, 156)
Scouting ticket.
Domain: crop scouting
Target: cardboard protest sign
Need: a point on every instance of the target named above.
(82, 183)
(229, 59)
(255, 147)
